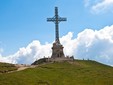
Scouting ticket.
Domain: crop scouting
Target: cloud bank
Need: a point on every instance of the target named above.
(96, 45)
(26, 55)
(89, 44)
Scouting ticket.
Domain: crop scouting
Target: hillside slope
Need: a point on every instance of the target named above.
(79, 72)
(6, 67)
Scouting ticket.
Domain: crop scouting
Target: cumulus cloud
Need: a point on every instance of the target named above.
(26, 55)
(69, 44)
(35, 50)
(96, 45)
(89, 44)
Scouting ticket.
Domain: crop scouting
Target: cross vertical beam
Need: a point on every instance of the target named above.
(56, 19)
(56, 25)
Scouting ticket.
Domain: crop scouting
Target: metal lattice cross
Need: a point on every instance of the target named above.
(56, 19)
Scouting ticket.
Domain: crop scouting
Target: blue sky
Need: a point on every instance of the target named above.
(22, 21)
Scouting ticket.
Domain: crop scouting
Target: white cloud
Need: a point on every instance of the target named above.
(96, 45)
(89, 44)
(69, 44)
(27, 55)
(103, 6)
(99, 6)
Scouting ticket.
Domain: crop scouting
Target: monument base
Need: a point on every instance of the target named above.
(57, 51)
(60, 59)
(58, 54)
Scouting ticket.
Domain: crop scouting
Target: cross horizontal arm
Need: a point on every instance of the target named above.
(62, 19)
(51, 19)
(59, 19)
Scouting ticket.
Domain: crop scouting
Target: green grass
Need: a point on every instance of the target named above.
(79, 72)
(6, 67)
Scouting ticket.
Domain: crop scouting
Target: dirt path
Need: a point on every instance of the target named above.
(23, 67)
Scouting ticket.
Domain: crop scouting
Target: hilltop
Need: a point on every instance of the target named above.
(78, 72)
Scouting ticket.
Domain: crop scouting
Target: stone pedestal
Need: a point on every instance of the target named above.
(57, 51)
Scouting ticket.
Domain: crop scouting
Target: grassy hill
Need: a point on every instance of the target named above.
(79, 72)
(6, 67)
